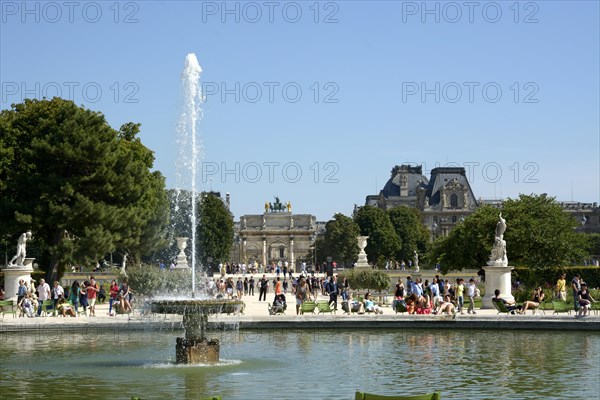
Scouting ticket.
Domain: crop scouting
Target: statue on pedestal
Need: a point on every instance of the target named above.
(21, 250)
(498, 256)
(416, 261)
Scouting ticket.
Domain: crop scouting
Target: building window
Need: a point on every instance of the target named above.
(281, 252)
(454, 200)
(454, 219)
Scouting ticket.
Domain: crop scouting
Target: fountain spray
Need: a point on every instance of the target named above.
(190, 150)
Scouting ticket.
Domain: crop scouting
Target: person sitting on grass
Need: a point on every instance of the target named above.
(538, 297)
(65, 308)
(510, 305)
(585, 300)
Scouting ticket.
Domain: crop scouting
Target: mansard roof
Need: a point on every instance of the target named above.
(446, 176)
(414, 176)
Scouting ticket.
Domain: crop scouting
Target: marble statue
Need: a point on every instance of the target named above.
(501, 227)
(123, 265)
(21, 249)
(416, 261)
(498, 256)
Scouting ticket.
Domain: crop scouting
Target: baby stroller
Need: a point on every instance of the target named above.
(279, 305)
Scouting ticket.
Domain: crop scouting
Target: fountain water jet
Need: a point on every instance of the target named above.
(194, 348)
(189, 150)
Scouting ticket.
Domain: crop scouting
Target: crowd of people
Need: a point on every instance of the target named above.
(32, 301)
(440, 296)
(436, 297)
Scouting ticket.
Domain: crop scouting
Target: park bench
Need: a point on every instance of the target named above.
(8, 307)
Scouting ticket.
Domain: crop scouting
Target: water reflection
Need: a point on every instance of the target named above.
(308, 364)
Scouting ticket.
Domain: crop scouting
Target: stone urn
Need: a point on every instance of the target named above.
(181, 258)
(362, 261)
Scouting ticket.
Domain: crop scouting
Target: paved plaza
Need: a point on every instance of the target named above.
(256, 316)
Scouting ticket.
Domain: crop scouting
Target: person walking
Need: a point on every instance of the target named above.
(471, 291)
(333, 290)
(43, 295)
(57, 293)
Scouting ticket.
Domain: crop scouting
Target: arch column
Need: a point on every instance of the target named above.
(292, 256)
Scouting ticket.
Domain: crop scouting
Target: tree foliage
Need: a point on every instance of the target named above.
(383, 243)
(412, 234)
(83, 188)
(149, 280)
(539, 235)
(341, 239)
(372, 279)
(215, 229)
(592, 243)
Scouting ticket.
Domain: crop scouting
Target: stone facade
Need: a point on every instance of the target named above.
(444, 199)
(275, 237)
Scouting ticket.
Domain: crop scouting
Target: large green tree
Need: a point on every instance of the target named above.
(383, 242)
(341, 239)
(412, 234)
(539, 234)
(82, 187)
(215, 229)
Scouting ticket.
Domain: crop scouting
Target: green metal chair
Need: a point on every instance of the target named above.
(368, 396)
(400, 308)
(8, 307)
(560, 307)
(48, 305)
(324, 307)
(501, 307)
(308, 307)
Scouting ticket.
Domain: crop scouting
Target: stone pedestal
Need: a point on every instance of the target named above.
(497, 277)
(197, 351)
(181, 258)
(362, 261)
(12, 276)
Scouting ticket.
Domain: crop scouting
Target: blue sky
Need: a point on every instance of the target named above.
(509, 90)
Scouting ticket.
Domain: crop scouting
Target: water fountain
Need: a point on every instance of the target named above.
(194, 348)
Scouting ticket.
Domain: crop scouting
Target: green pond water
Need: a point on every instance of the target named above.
(306, 364)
